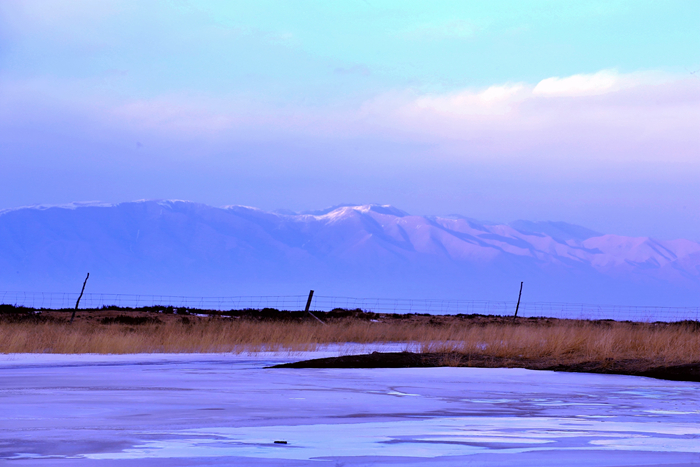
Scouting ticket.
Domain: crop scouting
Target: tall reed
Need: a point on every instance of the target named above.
(561, 340)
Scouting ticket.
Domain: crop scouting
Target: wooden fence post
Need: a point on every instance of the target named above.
(308, 305)
(81, 296)
(518, 305)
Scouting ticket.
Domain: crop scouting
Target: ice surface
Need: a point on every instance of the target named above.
(223, 409)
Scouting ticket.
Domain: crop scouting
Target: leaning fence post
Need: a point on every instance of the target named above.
(81, 296)
(517, 306)
(308, 305)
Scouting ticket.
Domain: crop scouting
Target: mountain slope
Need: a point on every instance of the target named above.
(178, 247)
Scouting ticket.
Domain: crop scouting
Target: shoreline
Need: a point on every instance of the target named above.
(689, 372)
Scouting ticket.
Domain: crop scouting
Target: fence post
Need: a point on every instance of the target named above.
(518, 305)
(81, 296)
(308, 305)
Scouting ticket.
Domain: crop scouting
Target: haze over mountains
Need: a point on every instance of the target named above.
(185, 248)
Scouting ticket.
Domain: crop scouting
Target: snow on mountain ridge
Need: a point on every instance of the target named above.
(71, 206)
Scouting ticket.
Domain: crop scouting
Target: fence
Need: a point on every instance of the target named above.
(39, 300)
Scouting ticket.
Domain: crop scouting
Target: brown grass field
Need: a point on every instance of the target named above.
(459, 340)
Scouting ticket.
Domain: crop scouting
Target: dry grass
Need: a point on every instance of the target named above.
(203, 336)
(564, 341)
(570, 342)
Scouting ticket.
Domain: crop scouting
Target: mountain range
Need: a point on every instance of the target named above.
(185, 248)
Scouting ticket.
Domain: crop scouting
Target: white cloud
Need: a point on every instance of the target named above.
(504, 99)
(603, 115)
(493, 100)
(579, 85)
(594, 84)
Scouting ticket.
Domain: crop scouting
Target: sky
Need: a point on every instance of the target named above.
(586, 112)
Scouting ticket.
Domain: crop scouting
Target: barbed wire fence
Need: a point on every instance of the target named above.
(55, 301)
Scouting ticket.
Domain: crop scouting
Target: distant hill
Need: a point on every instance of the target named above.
(185, 248)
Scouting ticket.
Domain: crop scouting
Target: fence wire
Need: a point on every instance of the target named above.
(53, 301)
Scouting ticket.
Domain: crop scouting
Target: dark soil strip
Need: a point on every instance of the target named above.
(686, 372)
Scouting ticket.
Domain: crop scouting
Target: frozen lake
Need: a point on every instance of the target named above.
(215, 409)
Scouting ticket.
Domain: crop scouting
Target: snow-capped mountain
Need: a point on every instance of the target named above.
(185, 248)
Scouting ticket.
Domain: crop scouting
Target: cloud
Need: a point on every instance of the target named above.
(578, 85)
(602, 82)
(501, 98)
(492, 100)
(603, 115)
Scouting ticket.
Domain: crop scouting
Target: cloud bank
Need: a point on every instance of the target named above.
(604, 116)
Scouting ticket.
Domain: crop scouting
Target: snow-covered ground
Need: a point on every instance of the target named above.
(223, 409)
